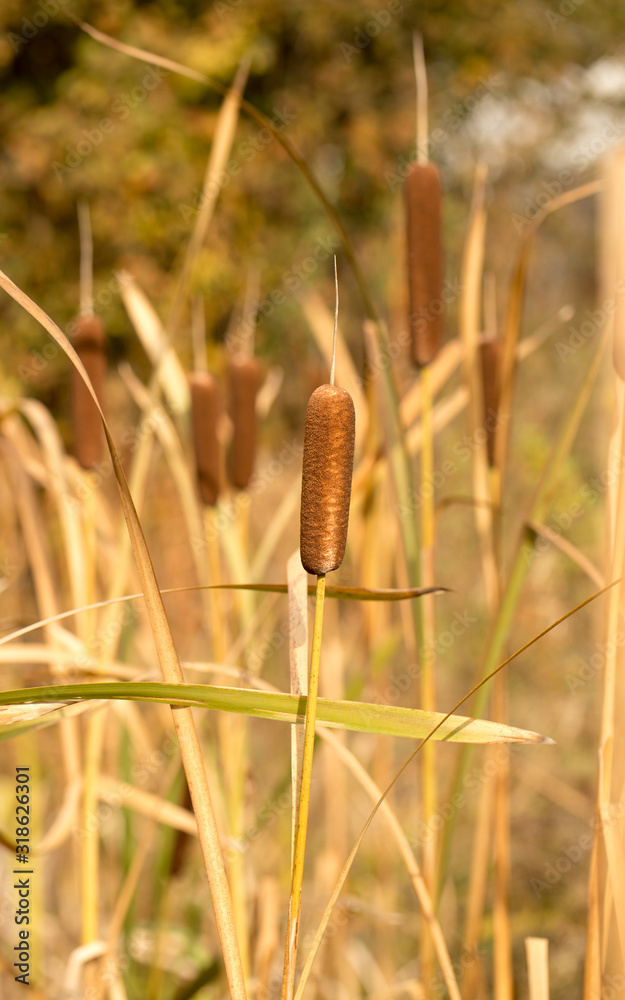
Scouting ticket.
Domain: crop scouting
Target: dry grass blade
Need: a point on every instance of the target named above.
(298, 669)
(570, 550)
(220, 151)
(537, 952)
(339, 593)
(470, 311)
(170, 666)
(153, 806)
(512, 327)
(152, 335)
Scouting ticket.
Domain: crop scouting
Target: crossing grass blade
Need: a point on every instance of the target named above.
(387, 720)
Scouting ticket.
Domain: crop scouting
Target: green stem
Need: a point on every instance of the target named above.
(295, 902)
(520, 567)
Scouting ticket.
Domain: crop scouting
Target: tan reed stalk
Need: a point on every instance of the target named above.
(232, 744)
(326, 490)
(90, 345)
(425, 277)
(205, 409)
(605, 896)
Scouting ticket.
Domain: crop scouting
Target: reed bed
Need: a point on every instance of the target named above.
(187, 843)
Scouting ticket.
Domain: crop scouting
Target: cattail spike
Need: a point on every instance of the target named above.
(90, 345)
(490, 356)
(205, 413)
(326, 478)
(425, 260)
(243, 377)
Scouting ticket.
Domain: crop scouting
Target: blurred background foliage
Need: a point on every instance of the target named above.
(521, 86)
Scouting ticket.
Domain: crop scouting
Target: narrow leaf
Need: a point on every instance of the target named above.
(388, 720)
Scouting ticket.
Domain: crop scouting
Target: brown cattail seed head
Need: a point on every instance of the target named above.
(490, 356)
(90, 345)
(205, 413)
(326, 478)
(425, 260)
(243, 378)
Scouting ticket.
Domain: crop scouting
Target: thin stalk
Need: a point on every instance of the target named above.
(426, 646)
(86, 259)
(231, 733)
(295, 901)
(522, 561)
(90, 860)
(422, 97)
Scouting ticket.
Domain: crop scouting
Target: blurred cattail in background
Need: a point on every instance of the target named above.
(425, 260)
(326, 478)
(90, 344)
(243, 380)
(490, 357)
(205, 416)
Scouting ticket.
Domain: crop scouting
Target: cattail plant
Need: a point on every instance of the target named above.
(326, 490)
(326, 478)
(205, 415)
(243, 374)
(423, 193)
(490, 358)
(424, 233)
(90, 345)
(243, 379)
